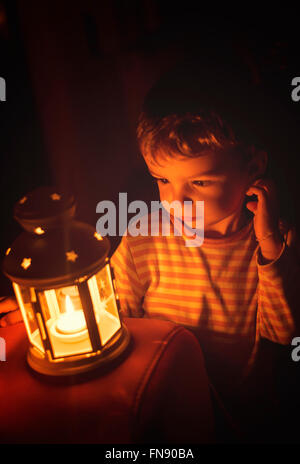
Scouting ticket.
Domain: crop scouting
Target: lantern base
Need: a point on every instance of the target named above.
(110, 353)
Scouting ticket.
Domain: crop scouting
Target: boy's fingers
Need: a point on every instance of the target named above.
(7, 304)
(259, 191)
(252, 206)
(11, 318)
(265, 194)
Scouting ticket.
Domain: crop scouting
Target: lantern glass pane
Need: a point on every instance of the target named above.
(26, 298)
(104, 303)
(65, 321)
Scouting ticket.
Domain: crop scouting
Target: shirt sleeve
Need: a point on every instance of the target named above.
(128, 285)
(278, 292)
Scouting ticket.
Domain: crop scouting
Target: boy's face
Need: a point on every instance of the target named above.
(215, 178)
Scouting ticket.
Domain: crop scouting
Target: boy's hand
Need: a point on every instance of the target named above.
(9, 311)
(266, 217)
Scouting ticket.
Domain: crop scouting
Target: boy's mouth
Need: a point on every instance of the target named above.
(190, 222)
(187, 216)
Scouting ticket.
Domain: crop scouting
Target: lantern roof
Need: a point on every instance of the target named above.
(44, 208)
(54, 249)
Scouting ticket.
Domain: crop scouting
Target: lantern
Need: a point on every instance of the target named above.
(64, 286)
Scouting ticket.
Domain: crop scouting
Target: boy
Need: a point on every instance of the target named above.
(241, 284)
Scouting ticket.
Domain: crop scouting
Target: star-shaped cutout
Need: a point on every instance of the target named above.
(55, 196)
(39, 230)
(98, 236)
(26, 263)
(71, 256)
(81, 279)
(22, 200)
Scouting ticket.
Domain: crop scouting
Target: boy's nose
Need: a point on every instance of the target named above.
(181, 197)
(184, 200)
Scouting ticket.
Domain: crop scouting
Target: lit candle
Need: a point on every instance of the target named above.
(71, 321)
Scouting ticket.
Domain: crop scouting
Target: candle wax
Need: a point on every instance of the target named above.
(71, 322)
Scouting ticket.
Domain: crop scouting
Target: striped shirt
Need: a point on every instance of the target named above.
(220, 290)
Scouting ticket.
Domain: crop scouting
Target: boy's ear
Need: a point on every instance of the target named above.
(258, 164)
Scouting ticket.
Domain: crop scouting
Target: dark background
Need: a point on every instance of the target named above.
(77, 73)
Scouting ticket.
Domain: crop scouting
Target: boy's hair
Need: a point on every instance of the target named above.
(186, 135)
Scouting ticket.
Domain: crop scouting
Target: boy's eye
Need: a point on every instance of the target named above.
(198, 183)
(161, 180)
(202, 183)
